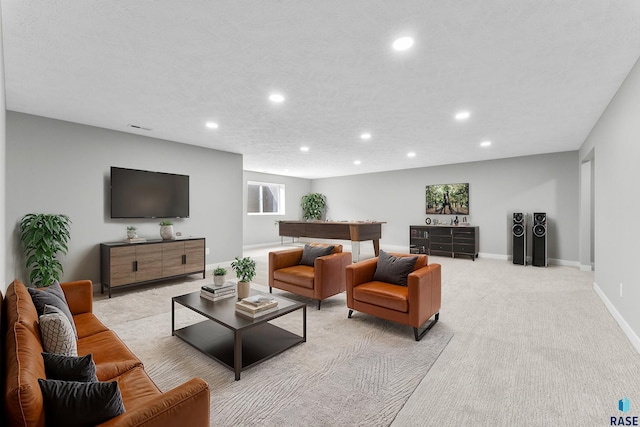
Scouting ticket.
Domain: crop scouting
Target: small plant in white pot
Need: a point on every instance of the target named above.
(219, 276)
(245, 270)
(166, 230)
(131, 232)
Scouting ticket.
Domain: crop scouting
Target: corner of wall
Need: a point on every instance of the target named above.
(633, 338)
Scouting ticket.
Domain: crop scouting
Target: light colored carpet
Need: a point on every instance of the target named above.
(357, 371)
(531, 347)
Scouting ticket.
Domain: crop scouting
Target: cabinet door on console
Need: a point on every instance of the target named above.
(149, 259)
(172, 260)
(122, 263)
(194, 251)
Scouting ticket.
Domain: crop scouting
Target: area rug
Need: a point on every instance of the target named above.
(357, 372)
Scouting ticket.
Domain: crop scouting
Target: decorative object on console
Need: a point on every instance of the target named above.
(313, 206)
(131, 232)
(447, 199)
(245, 270)
(219, 276)
(43, 237)
(166, 230)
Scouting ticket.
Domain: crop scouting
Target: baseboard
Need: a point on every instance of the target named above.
(260, 245)
(493, 256)
(585, 267)
(631, 335)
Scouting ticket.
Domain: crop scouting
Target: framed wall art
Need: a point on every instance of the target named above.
(447, 199)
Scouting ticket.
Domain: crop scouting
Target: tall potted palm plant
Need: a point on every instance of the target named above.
(44, 237)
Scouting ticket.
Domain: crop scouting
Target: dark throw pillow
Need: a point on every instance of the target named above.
(69, 368)
(393, 269)
(52, 295)
(76, 404)
(310, 253)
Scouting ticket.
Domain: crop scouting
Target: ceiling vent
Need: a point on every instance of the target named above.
(138, 127)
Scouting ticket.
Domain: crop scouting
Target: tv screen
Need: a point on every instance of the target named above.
(448, 199)
(145, 194)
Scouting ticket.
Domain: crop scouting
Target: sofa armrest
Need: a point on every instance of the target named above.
(185, 405)
(425, 292)
(329, 271)
(282, 259)
(79, 295)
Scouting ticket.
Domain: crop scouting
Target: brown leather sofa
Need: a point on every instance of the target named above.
(185, 405)
(324, 279)
(411, 305)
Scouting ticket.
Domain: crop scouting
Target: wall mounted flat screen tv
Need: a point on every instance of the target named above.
(448, 199)
(145, 194)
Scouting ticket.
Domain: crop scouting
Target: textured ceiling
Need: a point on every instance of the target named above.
(535, 75)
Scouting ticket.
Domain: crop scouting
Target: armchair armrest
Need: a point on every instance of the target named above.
(425, 293)
(79, 295)
(282, 259)
(185, 405)
(329, 270)
(357, 274)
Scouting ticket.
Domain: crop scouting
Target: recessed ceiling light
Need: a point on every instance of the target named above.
(403, 43)
(463, 115)
(365, 136)
(411, 154)
(485, 143)
(305, 149)
(276, 97)
(357, 162)
(212, 125)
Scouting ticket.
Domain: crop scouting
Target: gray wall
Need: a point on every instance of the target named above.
(3, 111)
(543, 183)
(261, 229)
(60, 167)
(613, 144)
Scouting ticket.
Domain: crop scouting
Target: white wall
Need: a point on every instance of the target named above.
(261, 229)
(613, 142)
(61, 167)
(543, 183)
(3, 112)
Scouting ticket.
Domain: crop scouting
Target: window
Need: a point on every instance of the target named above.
(265, 198)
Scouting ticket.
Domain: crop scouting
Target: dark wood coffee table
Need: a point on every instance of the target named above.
(236, 341)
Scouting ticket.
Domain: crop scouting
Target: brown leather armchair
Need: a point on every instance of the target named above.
(411, 305)
(326, 278)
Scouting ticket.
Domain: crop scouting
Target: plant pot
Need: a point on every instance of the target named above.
(244, 289)
(166, 232)
(131, 234)
(218, 280)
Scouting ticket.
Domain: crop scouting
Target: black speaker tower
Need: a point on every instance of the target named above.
(539, 239)
(519, 232)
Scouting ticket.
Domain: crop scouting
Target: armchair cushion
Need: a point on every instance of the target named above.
(393, 269)
(299, 275)
(311, 252)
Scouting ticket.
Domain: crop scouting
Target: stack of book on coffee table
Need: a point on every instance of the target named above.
(256, 306)
(216, 293)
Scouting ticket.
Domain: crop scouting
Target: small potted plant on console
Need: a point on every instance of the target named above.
(131, 232)
(219, 275)
(245, 270)
(166, 230)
